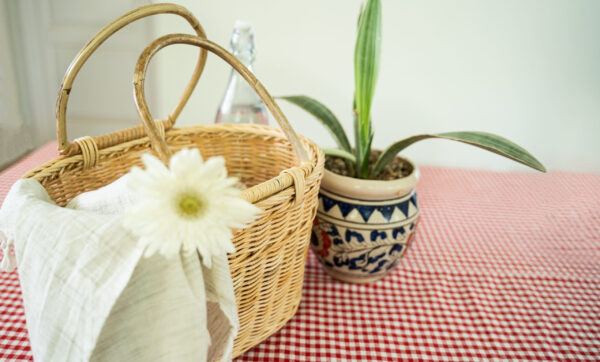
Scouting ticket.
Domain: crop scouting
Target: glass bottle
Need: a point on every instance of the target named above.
(240, 103)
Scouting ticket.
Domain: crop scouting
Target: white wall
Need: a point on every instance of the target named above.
(527, 70)
(44, 37)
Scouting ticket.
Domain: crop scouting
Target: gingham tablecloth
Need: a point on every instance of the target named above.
(505, 266)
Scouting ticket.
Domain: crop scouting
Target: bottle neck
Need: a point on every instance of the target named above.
(242, 43)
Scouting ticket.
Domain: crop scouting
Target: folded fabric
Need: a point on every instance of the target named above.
(89, 294)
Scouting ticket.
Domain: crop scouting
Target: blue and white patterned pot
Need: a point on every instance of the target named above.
(363, 227)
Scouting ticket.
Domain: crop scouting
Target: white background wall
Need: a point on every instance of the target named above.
(40, 38)
(526, 69)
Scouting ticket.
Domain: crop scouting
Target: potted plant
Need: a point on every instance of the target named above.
(368, 209)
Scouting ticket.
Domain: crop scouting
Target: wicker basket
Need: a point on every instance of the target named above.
(282, 172)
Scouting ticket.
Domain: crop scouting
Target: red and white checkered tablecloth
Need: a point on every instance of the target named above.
(505, 266)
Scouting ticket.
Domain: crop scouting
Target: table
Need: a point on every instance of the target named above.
(504, 266)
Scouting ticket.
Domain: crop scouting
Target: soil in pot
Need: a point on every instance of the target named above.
(396, 169)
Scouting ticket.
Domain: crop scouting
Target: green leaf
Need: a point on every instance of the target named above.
(365, 159)
(366, 68)
(325, 116)
(487, 141)
(357, 147)
(339, 153)
(360, 12)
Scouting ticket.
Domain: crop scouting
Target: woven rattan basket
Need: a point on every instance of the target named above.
(282, 172)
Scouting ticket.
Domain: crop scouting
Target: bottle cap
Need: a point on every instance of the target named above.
(242, 25)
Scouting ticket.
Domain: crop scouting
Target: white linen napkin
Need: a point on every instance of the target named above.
(89, 294)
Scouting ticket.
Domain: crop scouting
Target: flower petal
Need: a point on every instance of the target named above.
(157, 220)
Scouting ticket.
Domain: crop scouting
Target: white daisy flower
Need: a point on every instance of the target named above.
(191, 205)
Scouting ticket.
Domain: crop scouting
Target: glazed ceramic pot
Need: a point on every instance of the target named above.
(363, 227)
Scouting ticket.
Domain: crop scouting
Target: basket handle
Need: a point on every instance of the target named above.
(70, 148)
(158, 143)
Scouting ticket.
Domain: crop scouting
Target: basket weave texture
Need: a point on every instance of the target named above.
(268, 265)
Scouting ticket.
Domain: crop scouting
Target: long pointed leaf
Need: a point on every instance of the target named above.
(363, 171)
(325, 116)
(366, 59)
(487, 141)
(366, 68)
(357, 145)
(339, 153)
(360, 12)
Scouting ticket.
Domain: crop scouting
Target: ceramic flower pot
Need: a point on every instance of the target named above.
(363, 227)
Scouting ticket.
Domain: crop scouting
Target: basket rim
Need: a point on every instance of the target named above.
(253, 194)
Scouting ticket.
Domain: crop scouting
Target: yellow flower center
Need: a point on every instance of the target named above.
(191, 206)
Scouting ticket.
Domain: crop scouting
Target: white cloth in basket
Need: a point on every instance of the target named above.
(89, 294)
